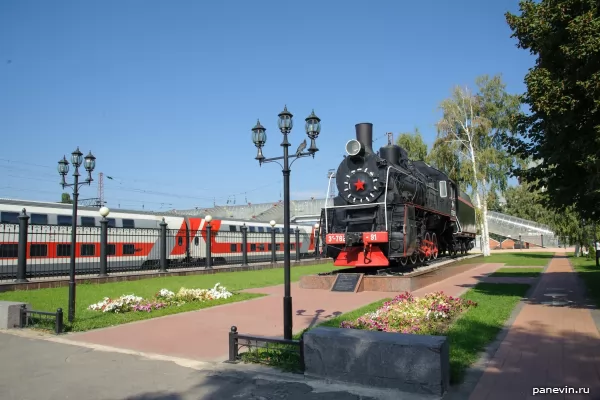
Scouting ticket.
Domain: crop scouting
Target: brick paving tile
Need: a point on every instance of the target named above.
(546, 346)
(203, 334)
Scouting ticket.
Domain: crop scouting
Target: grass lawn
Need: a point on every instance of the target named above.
(517, 272)
(468, 335)
(590, 274)
(87, 294)
(515, 259)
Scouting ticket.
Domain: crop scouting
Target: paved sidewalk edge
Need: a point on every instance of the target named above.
(475, 371)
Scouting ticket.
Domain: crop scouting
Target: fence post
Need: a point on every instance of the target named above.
(208, 245)
(297, 232)
(317, 237)
(23, 316)
(59, 321)
(542, 236)
(273, 247)
(22, 249)
(233, 344)
(520, 242)
(103, 246)
(244, 245)
(163, 246)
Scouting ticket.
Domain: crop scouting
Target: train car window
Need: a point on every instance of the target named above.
(277, 247)
(39, 219)
(252, 229)
(38, 250)
(179, 241)
(88, 221)
(233, 248)
(9, 250)
(128, 249)
(232, 228)
(111, 250)
(277, 230)
(128, 223)
(292, 246)
(64, 220)
(196, 240)
(112, 223)
(261, 229)
(261, 247)
(63, 250)
(443, 189)
(269, 229)
(253, 247)
(88, 249)
(9, 218)
(269, 247)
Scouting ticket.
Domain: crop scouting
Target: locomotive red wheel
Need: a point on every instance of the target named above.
(434, 246)
(427, 246)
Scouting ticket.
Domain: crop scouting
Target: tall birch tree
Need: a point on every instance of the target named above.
(470, 135)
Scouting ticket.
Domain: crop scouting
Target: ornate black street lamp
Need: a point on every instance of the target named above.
(259, 137)
(63, 169)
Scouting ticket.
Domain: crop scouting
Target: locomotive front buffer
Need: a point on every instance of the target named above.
(361, 249)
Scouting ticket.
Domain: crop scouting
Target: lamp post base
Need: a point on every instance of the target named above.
(287, 317)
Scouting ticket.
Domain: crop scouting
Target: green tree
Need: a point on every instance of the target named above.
(561, 131)
(469, 140)
(413, 144)
(525, 202)
(66, 198)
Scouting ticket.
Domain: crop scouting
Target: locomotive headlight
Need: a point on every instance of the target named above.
(353, 147)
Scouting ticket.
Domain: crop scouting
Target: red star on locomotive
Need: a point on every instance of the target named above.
(359, 185)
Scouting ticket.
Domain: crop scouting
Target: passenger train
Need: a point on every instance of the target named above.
(133, 238)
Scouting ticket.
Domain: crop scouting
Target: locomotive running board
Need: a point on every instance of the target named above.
(355, 257)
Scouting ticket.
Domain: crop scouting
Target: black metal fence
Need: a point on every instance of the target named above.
(44, 251)
(283, 353)
(42, 319)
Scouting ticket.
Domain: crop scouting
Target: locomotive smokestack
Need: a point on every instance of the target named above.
(364, 135)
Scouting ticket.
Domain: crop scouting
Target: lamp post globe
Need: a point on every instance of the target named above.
(90, 162)
(272, 223)
(286, 121)
(208, 218)
(76, 158)
(104, 211)
(317, 226)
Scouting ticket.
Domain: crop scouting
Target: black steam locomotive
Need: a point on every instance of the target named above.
(392, 210)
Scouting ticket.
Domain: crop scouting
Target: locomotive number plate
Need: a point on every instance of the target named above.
(335, 238)
(375, 237)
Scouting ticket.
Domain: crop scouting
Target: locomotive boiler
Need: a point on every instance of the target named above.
(391, 210)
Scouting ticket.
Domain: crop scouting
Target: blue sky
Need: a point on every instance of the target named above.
(164, 93)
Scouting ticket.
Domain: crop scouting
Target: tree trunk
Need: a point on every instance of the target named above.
(481, 204)
(486, 233)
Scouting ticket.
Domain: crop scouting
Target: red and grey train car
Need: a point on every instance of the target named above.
(133, 238)
(393, 211)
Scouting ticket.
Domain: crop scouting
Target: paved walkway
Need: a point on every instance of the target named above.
(547, 346)
(202, 335)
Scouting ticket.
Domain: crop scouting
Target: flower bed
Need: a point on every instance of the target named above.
(430, 315)
(164, 298)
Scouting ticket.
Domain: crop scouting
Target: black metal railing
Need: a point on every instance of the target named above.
(44, 252)
(42, 319)
(283, 353)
